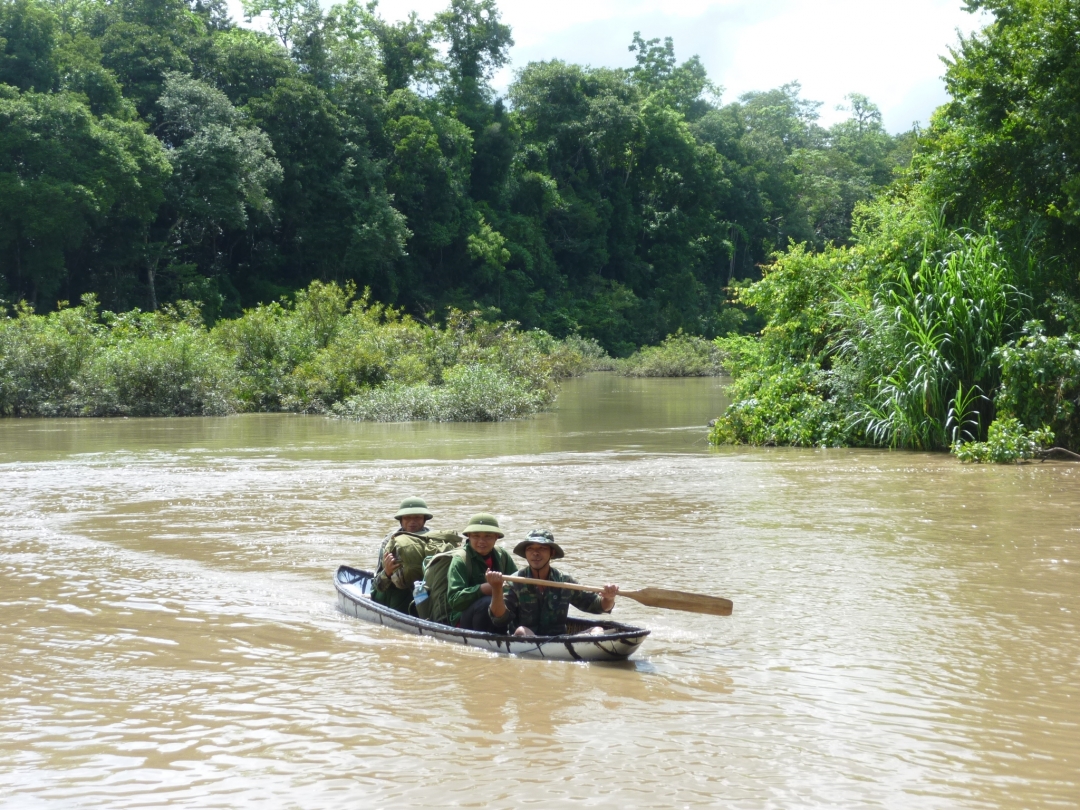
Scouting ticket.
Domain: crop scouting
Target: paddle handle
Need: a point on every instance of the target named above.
(546, 583)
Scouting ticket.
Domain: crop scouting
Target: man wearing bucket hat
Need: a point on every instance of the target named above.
(412, 517)
(534, 609)
(468, 593)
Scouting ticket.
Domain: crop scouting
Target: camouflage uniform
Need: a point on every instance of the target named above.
(383, 590)
(467, 574)
(543, 612)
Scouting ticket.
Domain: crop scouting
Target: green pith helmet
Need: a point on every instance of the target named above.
(413, 506)
(483, 522)
(540, 537)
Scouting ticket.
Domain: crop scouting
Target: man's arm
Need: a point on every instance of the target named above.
(459, 594)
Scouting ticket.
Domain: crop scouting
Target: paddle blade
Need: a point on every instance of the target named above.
(681, 600)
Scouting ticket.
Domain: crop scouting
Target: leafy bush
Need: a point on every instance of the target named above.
(1008, 442)
(41, 358)
(897, 336)
(471, 393)
(74, 362)
(678, 356)
(270, 342)
(777, 405)
(321, 352)
(157, 364)
(1040, 383)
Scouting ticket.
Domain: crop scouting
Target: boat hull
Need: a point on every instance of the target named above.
(618, 642)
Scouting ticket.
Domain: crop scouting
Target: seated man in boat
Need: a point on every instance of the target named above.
(535, 610)
(468, 593)
(412, 517)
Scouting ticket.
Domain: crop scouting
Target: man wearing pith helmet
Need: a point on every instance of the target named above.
(535, 610)
(467, 592)
(412, 517)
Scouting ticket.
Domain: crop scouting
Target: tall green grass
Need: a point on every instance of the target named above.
(924, 348)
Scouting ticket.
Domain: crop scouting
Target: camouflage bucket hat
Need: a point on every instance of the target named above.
(413, 506)
(483, 522)
(540, 537)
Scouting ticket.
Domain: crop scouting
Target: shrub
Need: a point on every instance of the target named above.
(41, 358)
(268, 343)
(678, 356)
(1040, 383)
(782, 406)
(322, 352)
(1008, 442)
(157, 364)
(471, 393)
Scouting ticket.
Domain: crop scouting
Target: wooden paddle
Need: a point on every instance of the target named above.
(653, 597)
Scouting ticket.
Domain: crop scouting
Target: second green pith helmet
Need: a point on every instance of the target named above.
(483, 522)
(413, 506)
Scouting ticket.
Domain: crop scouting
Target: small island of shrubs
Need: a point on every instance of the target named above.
(324, 351)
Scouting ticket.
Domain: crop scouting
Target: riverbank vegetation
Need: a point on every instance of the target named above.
(324, 351)
(951, 319)
(679, 355)
(153, 151)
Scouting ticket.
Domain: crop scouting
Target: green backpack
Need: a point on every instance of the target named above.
(412, 549)
(430, 595)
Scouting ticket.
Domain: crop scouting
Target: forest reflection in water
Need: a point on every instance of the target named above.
(904, 631)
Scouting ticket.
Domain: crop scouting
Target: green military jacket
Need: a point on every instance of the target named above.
(466, 575)
(543, 612)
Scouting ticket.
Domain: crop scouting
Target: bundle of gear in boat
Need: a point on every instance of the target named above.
(423, 563)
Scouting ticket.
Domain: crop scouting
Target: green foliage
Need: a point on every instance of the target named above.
(777, 403)
(678, 356)
(901, 330)
(157, 364)
(1005, 149)
(471, 393)
(320, 351)
(65, 174)
(152, 151)
(1008, 443)
(73, 363)
(922, 349)
(1040, 383)
(41, 358)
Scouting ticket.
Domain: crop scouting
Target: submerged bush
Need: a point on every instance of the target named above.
(1040, 383)
(157, 364)
(73, 362)
(1008, 442)
(930, 337)
(41, 358)
(897, 337)
(678, 356)
(471, 393)
(324, 351)
(777, 405)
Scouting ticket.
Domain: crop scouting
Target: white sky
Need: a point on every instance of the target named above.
(887, 50)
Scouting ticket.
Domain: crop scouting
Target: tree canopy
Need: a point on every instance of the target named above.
(153, 151)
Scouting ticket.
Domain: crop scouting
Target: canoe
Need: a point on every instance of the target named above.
(618, 642)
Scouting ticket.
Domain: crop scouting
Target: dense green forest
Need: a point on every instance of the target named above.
(153, 151)
(952, 316)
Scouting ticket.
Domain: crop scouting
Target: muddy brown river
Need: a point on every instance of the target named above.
(905, 632)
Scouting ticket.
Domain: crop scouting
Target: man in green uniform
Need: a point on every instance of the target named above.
(533, 609)
(468, 593)
(412, 517)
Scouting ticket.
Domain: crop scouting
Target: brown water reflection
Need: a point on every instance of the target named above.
(904, 631)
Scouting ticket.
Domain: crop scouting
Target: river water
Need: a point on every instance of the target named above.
(904, 636)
